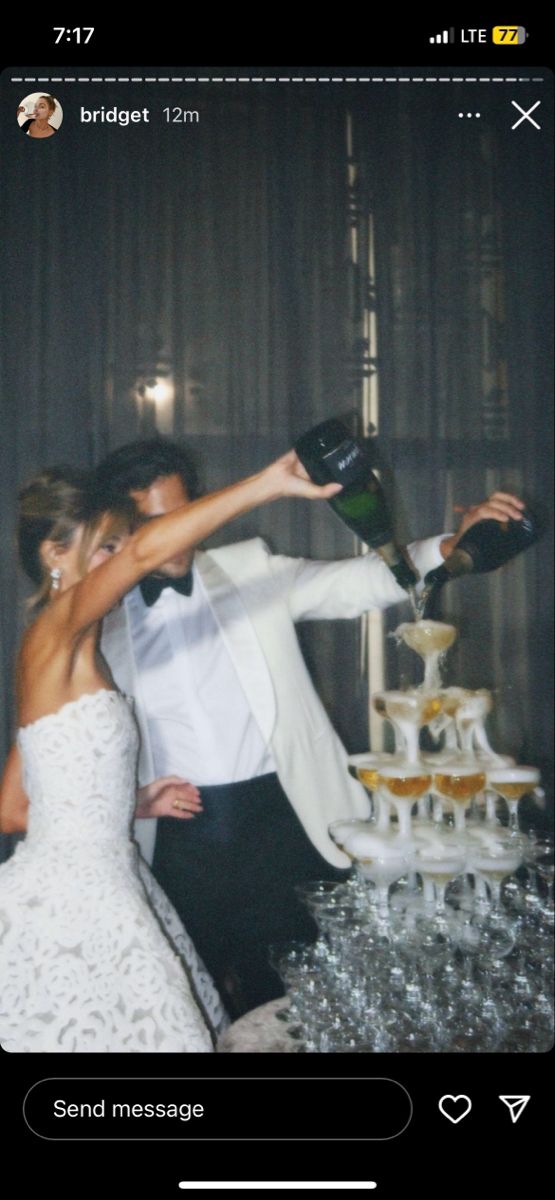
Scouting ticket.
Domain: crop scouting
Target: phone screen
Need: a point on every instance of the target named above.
(226, 255)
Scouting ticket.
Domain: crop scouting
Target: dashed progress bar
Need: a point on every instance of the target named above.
(276, 79)
(276, 1185)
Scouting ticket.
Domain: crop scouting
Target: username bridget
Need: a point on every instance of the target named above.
(115, 116)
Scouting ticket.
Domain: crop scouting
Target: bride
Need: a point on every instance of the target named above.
(92, 955)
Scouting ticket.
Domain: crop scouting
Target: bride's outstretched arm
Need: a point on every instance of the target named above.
(14, 802)
(164, 537)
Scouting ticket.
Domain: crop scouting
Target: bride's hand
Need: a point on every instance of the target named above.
(291, 479)
(168, 797)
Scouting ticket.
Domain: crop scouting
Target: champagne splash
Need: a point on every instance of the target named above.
(431, 640)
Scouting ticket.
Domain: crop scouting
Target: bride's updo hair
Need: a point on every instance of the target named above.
(53, 506)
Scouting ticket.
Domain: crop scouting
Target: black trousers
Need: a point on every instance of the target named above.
(230, 873)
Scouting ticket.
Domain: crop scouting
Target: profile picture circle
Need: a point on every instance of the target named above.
(39, 115)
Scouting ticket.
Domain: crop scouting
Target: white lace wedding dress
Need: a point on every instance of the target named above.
(93, 956)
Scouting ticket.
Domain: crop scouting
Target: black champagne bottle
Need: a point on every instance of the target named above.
(484, 547)
(330, 454)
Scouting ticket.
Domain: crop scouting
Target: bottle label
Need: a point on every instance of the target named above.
(348, 464)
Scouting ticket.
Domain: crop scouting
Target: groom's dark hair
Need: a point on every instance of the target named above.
(136, 465)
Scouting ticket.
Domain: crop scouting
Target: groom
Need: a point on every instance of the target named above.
(208, 649)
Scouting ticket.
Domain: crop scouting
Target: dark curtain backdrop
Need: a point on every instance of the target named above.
(220, 253)
(461, 210)
(219, 250)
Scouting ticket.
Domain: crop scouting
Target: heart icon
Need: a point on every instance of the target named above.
(455, 1108)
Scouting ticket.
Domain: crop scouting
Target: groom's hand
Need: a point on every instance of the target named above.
(500, 506)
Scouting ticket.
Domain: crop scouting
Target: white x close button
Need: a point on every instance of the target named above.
(526, 114)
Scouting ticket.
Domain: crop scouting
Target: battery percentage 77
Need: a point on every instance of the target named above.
(509, 35)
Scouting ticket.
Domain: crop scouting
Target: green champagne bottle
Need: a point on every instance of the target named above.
(331, 455)
(484, 547)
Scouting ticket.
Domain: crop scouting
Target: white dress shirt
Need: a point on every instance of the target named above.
(200, 723)
(256, 598)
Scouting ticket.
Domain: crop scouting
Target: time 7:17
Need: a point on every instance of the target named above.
(61, 29)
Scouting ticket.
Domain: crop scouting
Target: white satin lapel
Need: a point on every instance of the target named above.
(241, 641)
(117, 646)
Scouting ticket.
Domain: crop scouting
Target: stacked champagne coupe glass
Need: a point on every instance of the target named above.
(441, 938)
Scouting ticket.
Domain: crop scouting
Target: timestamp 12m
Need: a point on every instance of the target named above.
(181, 116)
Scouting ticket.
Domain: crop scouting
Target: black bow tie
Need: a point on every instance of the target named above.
(153, 585)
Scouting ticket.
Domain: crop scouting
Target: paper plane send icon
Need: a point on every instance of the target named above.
(515, 1105)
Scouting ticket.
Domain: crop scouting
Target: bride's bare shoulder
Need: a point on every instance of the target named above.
(43, 673)
(41, 641)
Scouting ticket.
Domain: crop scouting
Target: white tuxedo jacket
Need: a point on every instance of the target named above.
(257, 598)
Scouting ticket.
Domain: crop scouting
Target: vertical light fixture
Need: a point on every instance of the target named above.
(363, 259)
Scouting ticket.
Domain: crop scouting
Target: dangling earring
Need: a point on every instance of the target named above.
(55, 576)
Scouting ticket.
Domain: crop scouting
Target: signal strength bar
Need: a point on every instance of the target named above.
(448, 35)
